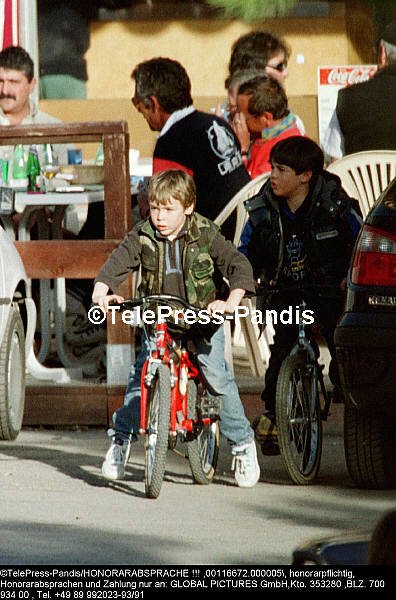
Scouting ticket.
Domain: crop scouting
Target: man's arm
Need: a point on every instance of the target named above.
(333, 143)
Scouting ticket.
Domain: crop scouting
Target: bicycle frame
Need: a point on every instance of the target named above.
(174, 405)
(300, 408)
(182, 369)
(304, 343)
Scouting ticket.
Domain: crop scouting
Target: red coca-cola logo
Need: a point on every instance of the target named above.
(345, 76)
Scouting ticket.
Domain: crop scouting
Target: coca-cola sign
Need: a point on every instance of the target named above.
(331, 79)
(344, 76)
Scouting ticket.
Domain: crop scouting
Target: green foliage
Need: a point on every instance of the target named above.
(253, 10)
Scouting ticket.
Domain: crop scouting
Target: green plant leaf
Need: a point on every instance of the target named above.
(253, 10)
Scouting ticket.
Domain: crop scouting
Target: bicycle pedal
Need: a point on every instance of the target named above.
(210, 406)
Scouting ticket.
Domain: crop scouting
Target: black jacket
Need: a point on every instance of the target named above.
(331, 224)
(367, 113)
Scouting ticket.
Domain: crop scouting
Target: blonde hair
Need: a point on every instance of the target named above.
(172, 184)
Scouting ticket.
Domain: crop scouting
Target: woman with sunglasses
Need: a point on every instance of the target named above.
(256, 53)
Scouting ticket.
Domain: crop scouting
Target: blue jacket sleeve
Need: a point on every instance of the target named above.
(246, 237)
(354, 221)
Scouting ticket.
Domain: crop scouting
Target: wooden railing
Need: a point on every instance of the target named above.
(83, 259)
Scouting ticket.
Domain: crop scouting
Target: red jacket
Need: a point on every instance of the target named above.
(260, 152)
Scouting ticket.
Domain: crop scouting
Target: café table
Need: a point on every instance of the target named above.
(52, 293)
(53, 259)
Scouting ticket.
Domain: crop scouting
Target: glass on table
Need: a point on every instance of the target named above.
(51, 167)
(49, 172)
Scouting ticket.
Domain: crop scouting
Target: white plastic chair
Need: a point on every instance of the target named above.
(257, 347)
(364, 175)
(237, 203)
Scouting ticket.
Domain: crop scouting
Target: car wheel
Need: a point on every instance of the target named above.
(12, 376)
(370, 447)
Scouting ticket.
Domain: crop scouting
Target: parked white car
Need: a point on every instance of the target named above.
(17, 324)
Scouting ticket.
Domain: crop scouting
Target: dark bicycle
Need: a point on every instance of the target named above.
(302, 402)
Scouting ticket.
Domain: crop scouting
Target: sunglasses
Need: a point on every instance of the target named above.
(280, 67)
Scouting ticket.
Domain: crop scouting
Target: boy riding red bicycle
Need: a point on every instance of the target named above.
(180, 252)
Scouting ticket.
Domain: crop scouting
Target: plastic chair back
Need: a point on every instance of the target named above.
(364, 175)
(237, 203)
(246, 334)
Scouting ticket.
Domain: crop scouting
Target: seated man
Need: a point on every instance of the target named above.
(17, 82)
(228, 109)
(262, 120)
(301, 232)
(201, 144)
(365, 118)
(260, 53)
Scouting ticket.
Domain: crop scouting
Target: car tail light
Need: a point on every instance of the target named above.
(374, 261)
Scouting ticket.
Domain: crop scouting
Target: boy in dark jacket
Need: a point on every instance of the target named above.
(179, 252)
(300, 235)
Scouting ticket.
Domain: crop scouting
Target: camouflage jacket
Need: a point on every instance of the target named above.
(205, 251)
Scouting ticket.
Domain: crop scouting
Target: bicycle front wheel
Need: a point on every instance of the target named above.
(203, 452)
(298, 419)
(157, 431)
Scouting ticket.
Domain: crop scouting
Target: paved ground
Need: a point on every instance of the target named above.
(57, 509)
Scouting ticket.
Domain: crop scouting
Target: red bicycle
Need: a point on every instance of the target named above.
(175, 403)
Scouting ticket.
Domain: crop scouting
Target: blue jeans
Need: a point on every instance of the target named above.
(220, 382)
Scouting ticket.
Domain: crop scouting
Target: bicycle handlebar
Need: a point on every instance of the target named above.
(157, 298)
(326, 289)
(200, 316)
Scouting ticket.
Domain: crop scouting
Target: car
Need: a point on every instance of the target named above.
(345, 548)
(17, 324)
(365, 340)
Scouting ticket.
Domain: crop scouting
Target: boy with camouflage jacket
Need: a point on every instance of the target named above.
(179, 252)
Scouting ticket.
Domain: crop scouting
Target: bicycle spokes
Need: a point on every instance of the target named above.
(203, 452)
(300, 426)
(298, 419)
(157, 431)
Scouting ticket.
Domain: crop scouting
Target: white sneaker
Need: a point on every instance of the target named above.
(245, 464)
(117, 456)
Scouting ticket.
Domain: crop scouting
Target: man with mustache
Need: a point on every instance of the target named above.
(17, 82)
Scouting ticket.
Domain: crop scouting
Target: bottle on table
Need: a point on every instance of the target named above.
(4, 170)
(34, 170)
(19, 168)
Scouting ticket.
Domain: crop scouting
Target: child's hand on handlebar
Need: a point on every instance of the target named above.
(104, 301)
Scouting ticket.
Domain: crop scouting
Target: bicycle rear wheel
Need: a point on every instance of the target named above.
(298, 419)
(157, 431)
(203, 452)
